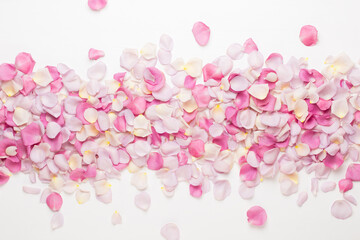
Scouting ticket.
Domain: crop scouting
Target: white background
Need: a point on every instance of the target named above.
(63, 31)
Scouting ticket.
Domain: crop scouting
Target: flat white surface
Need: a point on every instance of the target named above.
(55, 31)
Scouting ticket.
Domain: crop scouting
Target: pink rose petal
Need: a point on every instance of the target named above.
(24, 63)
(201, 33)
(97, 5)
(341, 209)
(308, 35)
(170, 232)
(95, 54)
(256, 216)
(54, 201)
(7, 72)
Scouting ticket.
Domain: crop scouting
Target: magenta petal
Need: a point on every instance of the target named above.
(97, 5)
(248, 173)
(24, 62)
(308, 35)
(197, 148)
(345, 185)
(256, 216)
(155, 161)
(333, 162)
(195, 191)
(7, 72)
(201, 33)
(4, 178)
(95, 54)
(54, 201)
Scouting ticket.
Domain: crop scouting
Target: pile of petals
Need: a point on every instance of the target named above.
(187, 120)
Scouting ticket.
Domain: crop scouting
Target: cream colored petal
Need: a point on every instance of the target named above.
(10, 88)
(218, 113)
(139, 180)
(259, 91)
(42, 77)
(101, 187)
(340, 107)
(148, 51)
(82, 196)
(190, 105)
(193, 67)
(11, 151)
(301, 108)
(91, 115)
(302, 149)
(116, 218)
(21, 116)
(75, 161)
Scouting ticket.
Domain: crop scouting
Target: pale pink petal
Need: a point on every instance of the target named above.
(288, 187)
(201, 33)
(246, 192)
(24, 62)
(314, 186)
(274, 60)
(308, 35)
(116, 218)
(302, 198)
(238, 83)
(54, 201)
(31, 190)
(341, 209)
(235, 51)
(328, 186)
(57, 221)
(97, 5)
(142, 201)
(97, 71)
(52, 129)
(256, 216)
(222, 190)
(170, 232)
(95, 54)
(166, 42)
(271, 155)
(350, 198)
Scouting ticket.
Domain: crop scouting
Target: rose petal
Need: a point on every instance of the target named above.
(54, 201)
(201, 33)
(256, 216)
(341, 209)
(142, 201)
(116, 218)
(170, 232)
(57, 221)
(97, 5)
(308, 35)
(95, 54)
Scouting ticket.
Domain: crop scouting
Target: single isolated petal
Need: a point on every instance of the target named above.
(256, 216)
(170, 232)
(201, 33)
(222, 189)
(54, 201)
(95, 54)
(302, 198)
(308, 35)
(341, 209)
(116, 218)
(97, 5)
(142, 201)
(57, 221)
